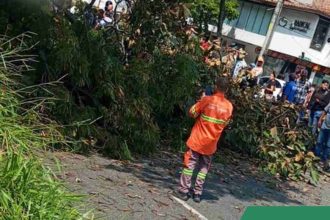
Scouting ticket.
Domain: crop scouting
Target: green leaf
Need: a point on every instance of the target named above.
(266, 134)
(315, 176)
(272, 154)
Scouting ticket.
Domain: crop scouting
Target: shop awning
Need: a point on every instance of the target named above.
(299, 61)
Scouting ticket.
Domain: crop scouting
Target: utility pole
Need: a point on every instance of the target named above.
(271, 26)
(221, 17)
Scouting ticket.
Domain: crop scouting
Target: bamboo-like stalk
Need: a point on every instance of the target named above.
(28, 190)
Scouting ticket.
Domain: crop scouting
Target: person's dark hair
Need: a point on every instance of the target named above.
(273, 73)
(303, 76)
(107, 4)
(222, 84)
(325, 81)
(292, 77)
(214, 53)
(100, 13)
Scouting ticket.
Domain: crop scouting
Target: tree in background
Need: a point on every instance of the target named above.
(207, 11)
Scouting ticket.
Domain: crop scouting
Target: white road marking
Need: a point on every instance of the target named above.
(191, 209)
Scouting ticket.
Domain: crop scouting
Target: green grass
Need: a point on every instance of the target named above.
(28, 190)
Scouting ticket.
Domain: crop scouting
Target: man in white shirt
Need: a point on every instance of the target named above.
(240, 63)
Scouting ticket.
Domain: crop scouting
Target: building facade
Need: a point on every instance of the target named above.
(301, 37)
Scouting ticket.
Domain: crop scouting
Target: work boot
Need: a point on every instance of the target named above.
(197, 198)
(181, 195)
(326, 166)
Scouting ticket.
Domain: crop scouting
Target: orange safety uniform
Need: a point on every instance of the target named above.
(212, 114)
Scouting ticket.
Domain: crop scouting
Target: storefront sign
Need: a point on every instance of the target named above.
(301, 26)
(283, 22)
(297, 25)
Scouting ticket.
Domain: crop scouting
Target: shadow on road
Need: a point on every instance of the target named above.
(237, 179)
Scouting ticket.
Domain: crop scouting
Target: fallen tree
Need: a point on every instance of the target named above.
(269, 132)
(141, 106)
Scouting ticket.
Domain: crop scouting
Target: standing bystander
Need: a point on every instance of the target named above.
(290, 89)
(108, 8)
(240, 63)
(319, 101)
(302, 88)
(258, 69)
(322, 148)
(309, 95)
(301, 93)
(270, 88)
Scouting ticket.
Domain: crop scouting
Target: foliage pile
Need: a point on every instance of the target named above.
(143, 104)
(270, 132)
(137, 106)
(27, 189)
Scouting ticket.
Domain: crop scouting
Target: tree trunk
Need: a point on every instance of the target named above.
(92, 3)
(221, 17)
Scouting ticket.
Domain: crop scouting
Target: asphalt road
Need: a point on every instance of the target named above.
(143, 189)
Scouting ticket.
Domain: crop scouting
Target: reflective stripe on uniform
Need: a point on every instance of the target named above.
(213, 120)
(193, 111)
(201, 175)
(187, 172)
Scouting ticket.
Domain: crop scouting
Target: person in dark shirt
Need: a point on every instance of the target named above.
(109, 9)
(322, 148)
(319, 101)
(270, 88)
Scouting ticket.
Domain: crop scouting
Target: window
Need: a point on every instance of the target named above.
(244, 14)
(252, 17)
(319, 77)
(320, 35)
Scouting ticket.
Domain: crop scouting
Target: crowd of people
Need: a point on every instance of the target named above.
(213, 112)
(312, 101)
(233, 63)
(314, 104)
(99, 18)
(106, 16)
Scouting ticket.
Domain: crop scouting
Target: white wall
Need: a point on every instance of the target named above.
(295, 42)
(291, 42)
(239, 34)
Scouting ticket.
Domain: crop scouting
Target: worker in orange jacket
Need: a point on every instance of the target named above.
(212, 114)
